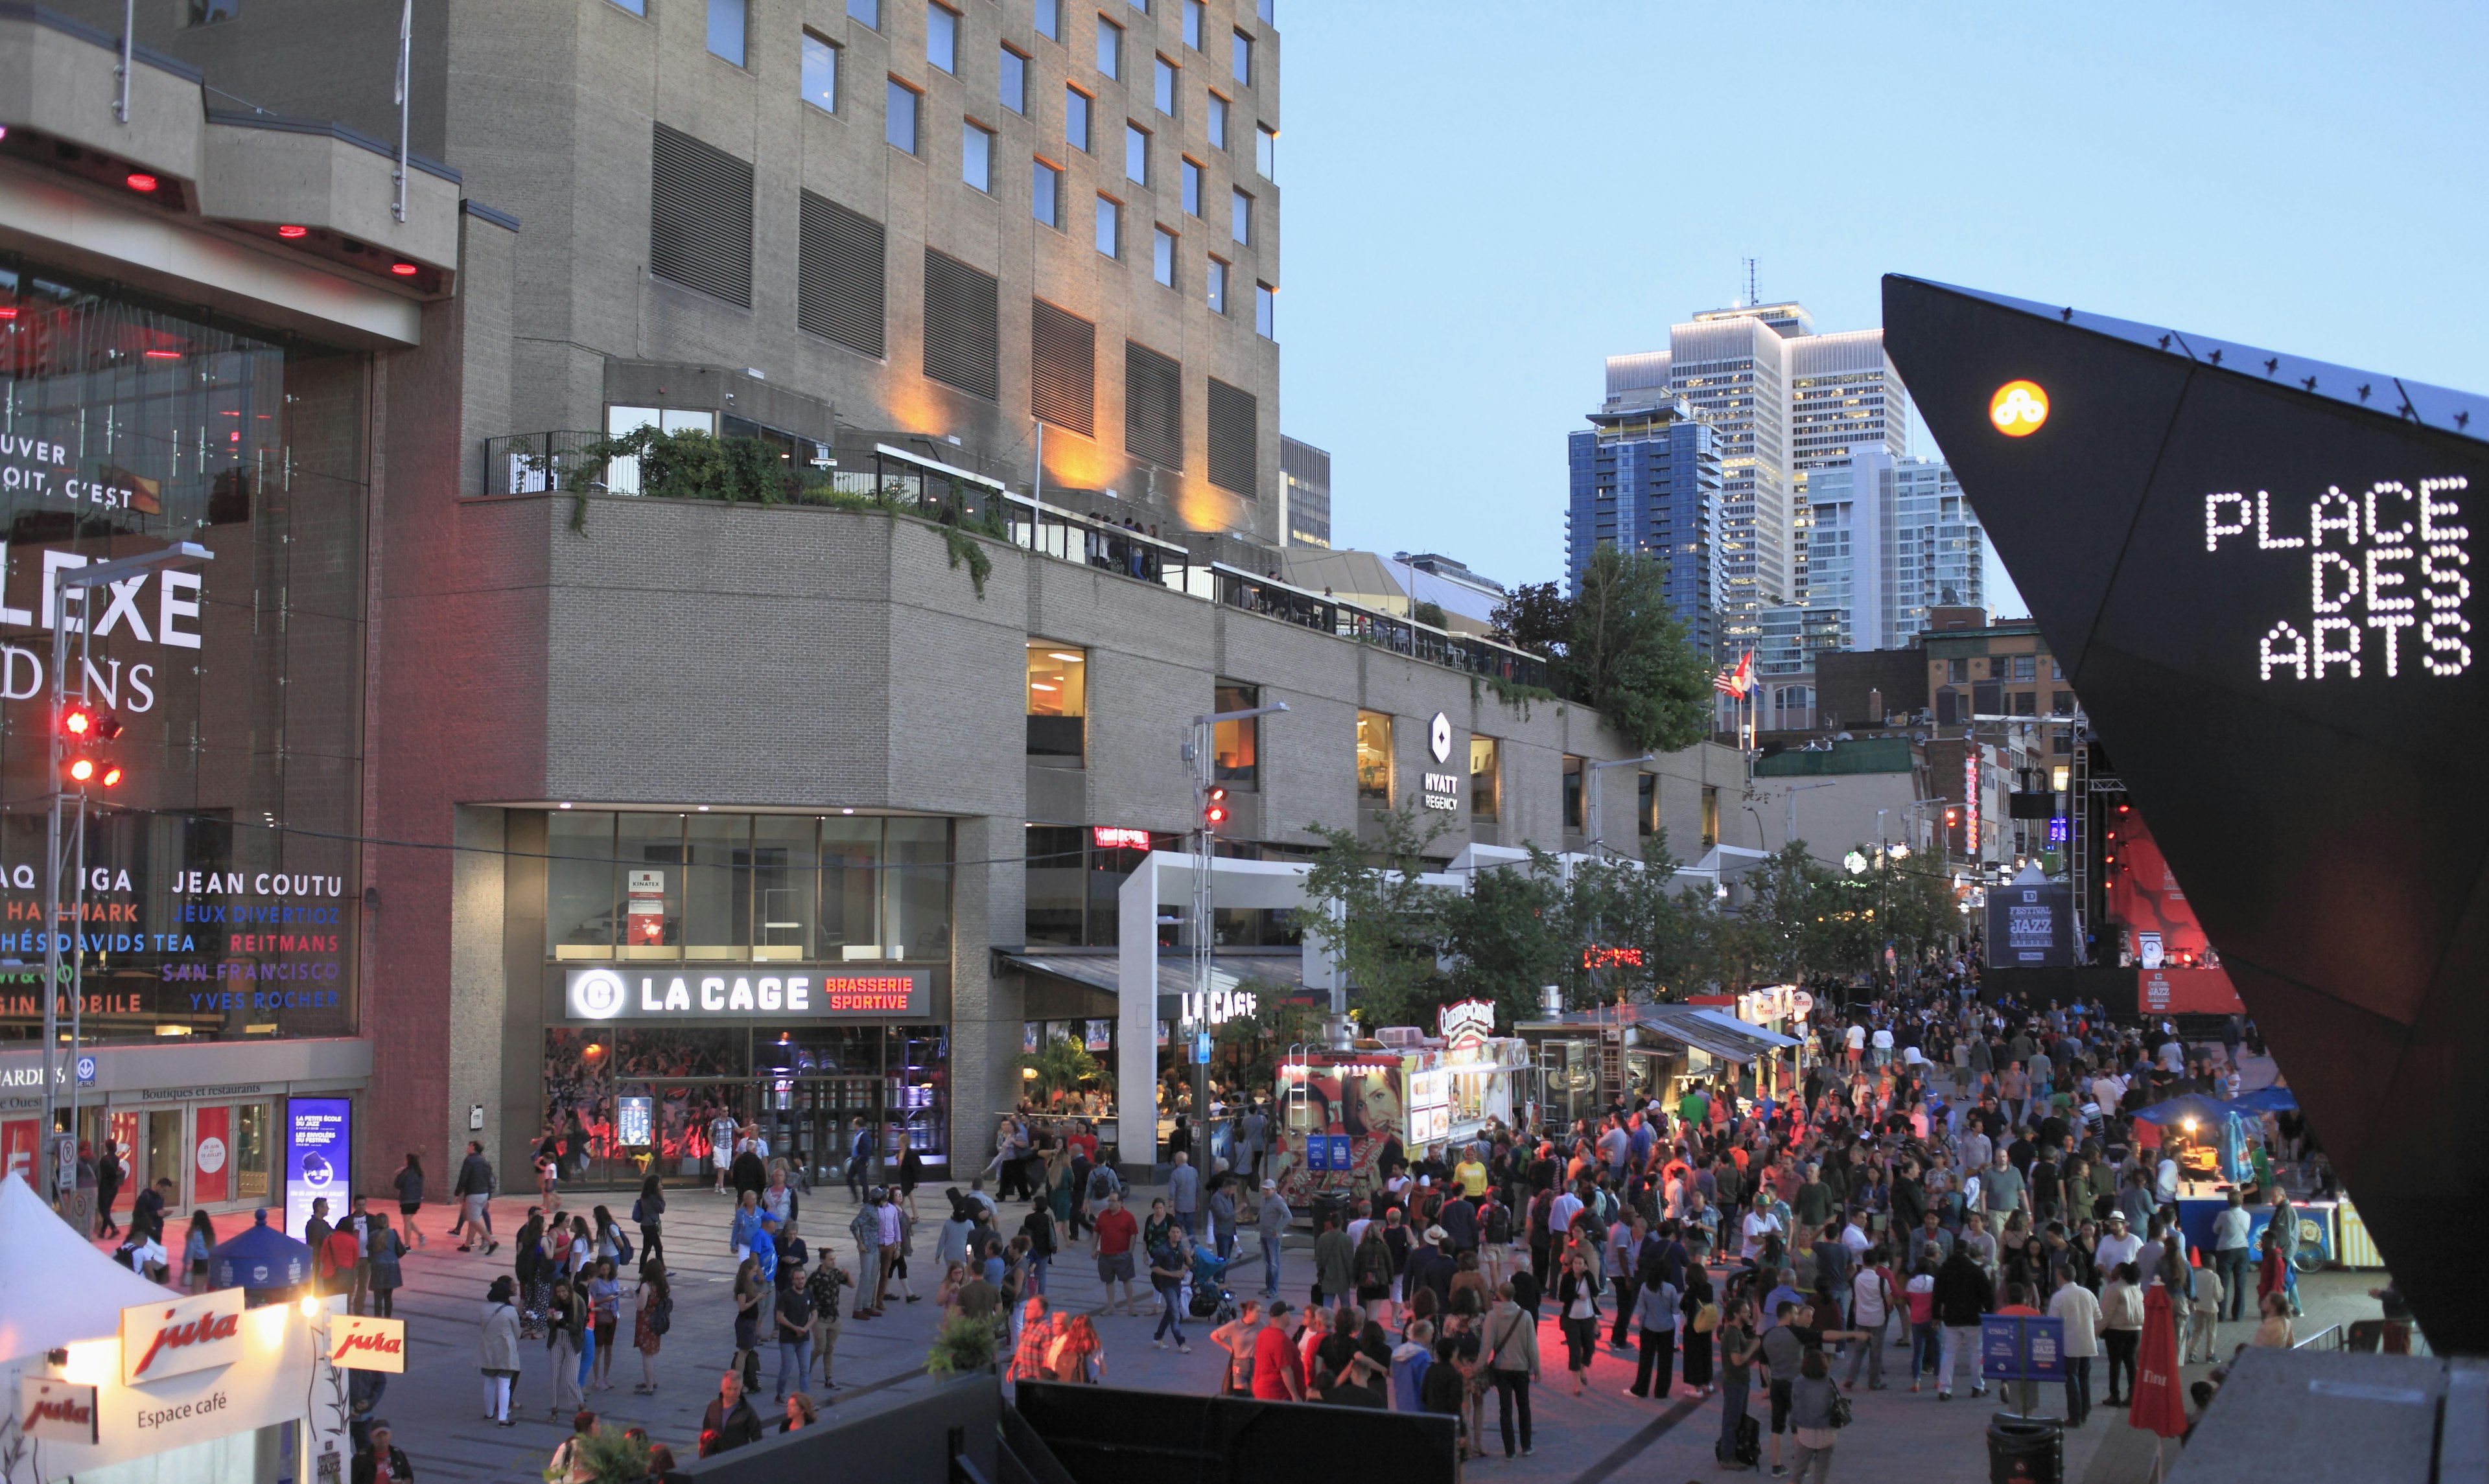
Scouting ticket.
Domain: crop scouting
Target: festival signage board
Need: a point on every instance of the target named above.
(360, 1343)
(181, 1335)
(56, 1410)
(319, 1159)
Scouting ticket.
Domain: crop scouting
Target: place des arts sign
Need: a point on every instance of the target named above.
(2257, 572)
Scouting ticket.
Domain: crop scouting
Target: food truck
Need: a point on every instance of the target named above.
(1339, 1109)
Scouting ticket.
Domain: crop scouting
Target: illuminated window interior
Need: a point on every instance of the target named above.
(1374, 756)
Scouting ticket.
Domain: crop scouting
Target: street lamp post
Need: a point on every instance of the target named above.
(1200, 752)
(82, 581)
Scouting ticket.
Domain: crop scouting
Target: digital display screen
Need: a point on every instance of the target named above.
(319, 1159)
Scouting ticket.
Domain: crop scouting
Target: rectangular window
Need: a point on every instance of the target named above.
(1266, 152)
(1217, 276)
(900, 129)
(1268, 10)
(1236, 746)
(839, 275)
(866, 10)
(1058, 698)
(1374, 758)
(1049, 19)
(1484, 770)
(1110, 48)
(200, 13)
(1153, 407)
(1075, 119)
(725, 27)
(962, 328)
(1645, 803)
(1192, 17)
(1110, 225)
(1235, 422)
(1218, 126)
(1191, 188)
(1710, 816)
(1055, 883)
(942, 38)
(1046, 194)
(1240, 59)
(1163, 89)
(820, 72)
(2026, 666)
(1266, 311)
(1958, 672)
(1063, 369)
(1012, 84)
(1163, 257)
(1240, 217)
(634, 7)
(1136, 155)
(578, 884)
(1572, 793)
(977, 155)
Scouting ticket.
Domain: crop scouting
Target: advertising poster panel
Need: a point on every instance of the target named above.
(319, 1157)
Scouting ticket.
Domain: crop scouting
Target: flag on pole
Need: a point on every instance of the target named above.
(1738, 679)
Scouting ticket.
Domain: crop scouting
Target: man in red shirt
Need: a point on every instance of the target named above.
(1112, 1242)
(1278, 1371)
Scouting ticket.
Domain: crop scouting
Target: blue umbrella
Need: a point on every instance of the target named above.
(2186, 1105)
(2267, 1099)
(262, 1262)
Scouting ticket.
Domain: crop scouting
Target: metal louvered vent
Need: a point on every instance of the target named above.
(962, 332)
(1063, 368)
(1234, 418)
(700, 217)
(1153, 407)
(838, 290)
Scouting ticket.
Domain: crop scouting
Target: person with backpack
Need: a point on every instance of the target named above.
(648, 1211)
(1875, 1298)
(654, 1316)
(1702, 1312)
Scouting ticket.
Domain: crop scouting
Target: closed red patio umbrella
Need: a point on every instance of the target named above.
(2158, 1405)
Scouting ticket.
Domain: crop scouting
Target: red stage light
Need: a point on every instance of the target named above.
(141, 181)
(290, 232)
(403, 270)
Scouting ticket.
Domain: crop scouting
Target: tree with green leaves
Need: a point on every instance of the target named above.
(1370, 911)
(1536, 618)
(1248, 1047)
(1511, 934)
(1627, 656)
(1063, 1065)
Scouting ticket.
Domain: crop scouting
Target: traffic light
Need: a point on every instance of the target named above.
(85, 731)
(1213, 813)
(1953, 819)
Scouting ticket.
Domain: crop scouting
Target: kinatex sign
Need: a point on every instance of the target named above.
(745, 993)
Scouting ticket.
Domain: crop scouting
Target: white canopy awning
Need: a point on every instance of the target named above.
(54, 1287)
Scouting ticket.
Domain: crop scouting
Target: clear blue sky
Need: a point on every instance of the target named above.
(1483, 200)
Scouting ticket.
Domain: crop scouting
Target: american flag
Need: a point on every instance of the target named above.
(1738, 678)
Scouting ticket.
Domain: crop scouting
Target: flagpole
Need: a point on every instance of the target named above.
(405, 64)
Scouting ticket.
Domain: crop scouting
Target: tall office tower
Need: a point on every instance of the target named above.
(1891, 539)
(862, 224)
(1786, 402)
(1647, 477)
(1305, 474)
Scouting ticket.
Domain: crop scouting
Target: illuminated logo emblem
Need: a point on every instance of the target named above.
(598, 994)
(1438, 737)
(2017, 408)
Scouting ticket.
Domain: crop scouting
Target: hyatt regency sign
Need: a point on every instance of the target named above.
(744, 993)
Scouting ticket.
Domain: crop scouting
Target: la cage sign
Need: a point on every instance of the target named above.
(630, 993)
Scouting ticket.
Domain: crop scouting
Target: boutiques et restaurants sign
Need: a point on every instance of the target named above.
(741, 993)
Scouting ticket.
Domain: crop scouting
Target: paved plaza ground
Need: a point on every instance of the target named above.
(437, 1406)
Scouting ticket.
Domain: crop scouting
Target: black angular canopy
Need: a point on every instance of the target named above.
(2257, 570)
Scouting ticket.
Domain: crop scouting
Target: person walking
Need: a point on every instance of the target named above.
(1509, 1342)
(825, 1287)
(200, 1240)
(604, 1294)
(2121, 1328)
(1184, 1192)
(1810, 1415)
(1111, 1243)
(497, 1351)
(1962, 1294)
(1656, 1305)
(409, 1196)
(1271, 1225)
(474, 1192)
(1168, 1264)
(1872, 1300)
(650, 1213)
(1576, 1309)
(2078, 1314)
(1702, 1312)
(107, 1188)
(729, 1422)
(567, 1336)
(2231, 1252)
(1335, 1265)
(795, 1330)
(650, 1318)
(1738, 1351)
(2203, 1314)
(382, 1249)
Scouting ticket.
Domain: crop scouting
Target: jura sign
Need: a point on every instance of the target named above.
(178, 1336)
(359, 1344)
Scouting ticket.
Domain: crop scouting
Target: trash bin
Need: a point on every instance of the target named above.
(2025, 1450)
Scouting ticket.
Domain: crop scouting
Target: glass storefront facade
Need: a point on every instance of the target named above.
(708, 899)
(220, 876)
